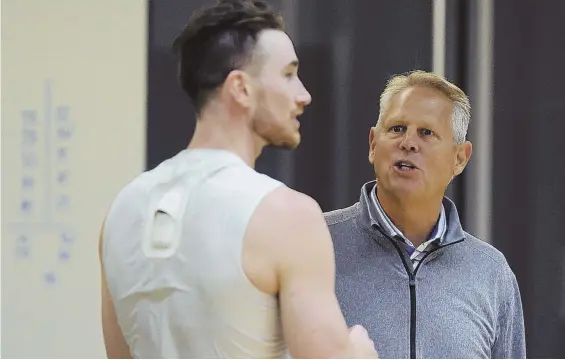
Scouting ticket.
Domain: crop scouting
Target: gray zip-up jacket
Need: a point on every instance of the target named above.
(462, 301)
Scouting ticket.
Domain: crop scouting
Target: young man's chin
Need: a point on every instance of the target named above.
(290, 142)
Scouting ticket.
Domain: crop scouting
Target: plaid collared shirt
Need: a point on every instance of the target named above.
(379, 217)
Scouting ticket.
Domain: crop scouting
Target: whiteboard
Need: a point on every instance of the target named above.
(73, 134)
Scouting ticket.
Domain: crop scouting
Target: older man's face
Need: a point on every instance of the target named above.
(412, 147)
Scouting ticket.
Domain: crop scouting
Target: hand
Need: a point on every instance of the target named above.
(363, 346)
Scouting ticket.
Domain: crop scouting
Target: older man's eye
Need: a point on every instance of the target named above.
(397, 129)
(426, 132)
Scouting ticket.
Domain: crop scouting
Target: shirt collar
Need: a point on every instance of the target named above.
(380, 218)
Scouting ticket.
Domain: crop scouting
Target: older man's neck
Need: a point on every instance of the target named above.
(415, 218)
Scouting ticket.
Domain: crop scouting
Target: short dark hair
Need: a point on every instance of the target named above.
(217, 40)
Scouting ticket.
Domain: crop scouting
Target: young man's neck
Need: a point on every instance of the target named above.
(217, 131)
(416, 219)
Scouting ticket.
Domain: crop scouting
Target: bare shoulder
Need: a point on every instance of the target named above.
(295, 230)
(291, 206)
(285, 226)
(286, 216)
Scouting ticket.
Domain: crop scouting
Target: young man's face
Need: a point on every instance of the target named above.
(280, 95)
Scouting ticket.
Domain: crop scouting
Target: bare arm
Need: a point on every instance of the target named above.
(312, 320)
(304, 266)
(116, 346)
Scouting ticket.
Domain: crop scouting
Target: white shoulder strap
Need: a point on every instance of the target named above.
(166, 212)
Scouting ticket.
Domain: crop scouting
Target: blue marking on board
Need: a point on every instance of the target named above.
(22, 247)
(63, 202)
(62, 113)
(22, 252)
(27, 182)
(63, 177)
(22, 240)
(64, 255)
(29, 117)
(29, 159)
(46, 147)
(62, 153)
(66, 238)
(64, 132)
(48, 110)
(26, 206)
(50, 278)
(29, 137)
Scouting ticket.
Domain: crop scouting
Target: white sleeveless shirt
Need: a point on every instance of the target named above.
(172, 250)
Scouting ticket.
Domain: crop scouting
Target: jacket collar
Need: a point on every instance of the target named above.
(367, 217)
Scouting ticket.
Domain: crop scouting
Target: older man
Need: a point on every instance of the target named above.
(406, 270)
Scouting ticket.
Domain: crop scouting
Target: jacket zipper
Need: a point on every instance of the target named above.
(412, 286)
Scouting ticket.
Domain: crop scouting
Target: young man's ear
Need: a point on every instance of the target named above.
(238, 86)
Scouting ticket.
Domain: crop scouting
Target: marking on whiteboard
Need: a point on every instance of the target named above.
(63, 177)
(22, 252)
(66, 238)
(62, 154)
(64, 255)
(63, 113)
(63, 202)
(21, 226)
(29, 117)
(27, 182)
(64, 132)
(46, 136)
(22, 240)
(22, 247)
(50, 277)
(26, 206)
(29, 159)
(29, 137)
(48, 103)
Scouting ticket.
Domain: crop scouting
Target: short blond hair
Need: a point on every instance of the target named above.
(461, 106)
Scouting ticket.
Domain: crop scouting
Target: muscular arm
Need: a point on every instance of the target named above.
(312, 320)
(299, 244)
(116, 346)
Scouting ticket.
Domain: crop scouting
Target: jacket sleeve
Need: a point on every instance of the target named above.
(510, 341)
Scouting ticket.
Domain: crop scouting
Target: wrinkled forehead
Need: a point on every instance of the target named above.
(275, 50)
(420, 101)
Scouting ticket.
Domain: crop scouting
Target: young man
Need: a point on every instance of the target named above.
(428, 289)
(204, 257)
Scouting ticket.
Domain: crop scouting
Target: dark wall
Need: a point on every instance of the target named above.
(348, 50)
(529, 165)
(170, 116)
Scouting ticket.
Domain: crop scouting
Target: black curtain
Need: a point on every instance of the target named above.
(529, 166)
(170, 115)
